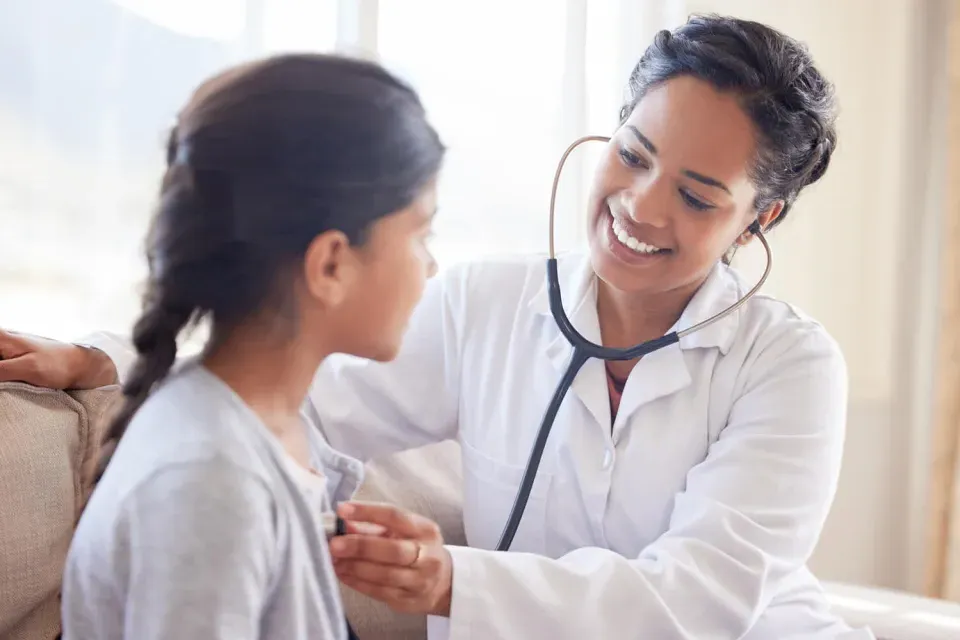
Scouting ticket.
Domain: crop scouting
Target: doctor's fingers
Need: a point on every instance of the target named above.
(392, 551)
(411, 580)
(365, 529)
(397, 599)
(398, 521)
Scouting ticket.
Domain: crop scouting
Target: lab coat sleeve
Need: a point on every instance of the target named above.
(366, 409)
(118, 348)
(750, 515)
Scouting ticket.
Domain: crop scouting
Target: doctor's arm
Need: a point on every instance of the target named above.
(750, 515)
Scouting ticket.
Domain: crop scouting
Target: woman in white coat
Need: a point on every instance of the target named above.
(680, 496)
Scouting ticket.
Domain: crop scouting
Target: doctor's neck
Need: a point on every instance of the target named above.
(628, 318)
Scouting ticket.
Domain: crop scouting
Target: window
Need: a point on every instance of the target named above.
(510, 85)
(90, 89)
(494, 99)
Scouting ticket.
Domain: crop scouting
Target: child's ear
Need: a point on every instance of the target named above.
(329, 267)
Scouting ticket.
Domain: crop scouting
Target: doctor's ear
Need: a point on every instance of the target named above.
(762, 222)
(329, 268)
(747, 236)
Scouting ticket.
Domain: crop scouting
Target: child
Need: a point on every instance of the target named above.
(293, 216)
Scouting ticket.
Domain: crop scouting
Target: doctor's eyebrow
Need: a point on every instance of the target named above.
(710, 182)
(644, 140)
(699, 177)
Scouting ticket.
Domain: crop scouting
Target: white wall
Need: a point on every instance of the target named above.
(853, 256)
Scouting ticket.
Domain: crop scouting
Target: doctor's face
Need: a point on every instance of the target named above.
(672, 193)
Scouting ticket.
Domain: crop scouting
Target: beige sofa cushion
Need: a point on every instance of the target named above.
(49, 444)
(49, 453)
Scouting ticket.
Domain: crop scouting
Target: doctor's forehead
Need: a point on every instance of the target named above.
(688, 120)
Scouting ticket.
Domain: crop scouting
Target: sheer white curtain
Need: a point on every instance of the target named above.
(90, 88)
(510, 85)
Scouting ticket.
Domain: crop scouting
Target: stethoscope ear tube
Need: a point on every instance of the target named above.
(583, 350)
(590, 349)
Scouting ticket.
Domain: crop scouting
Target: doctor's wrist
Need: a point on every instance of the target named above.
(444, 595)
(92, 368)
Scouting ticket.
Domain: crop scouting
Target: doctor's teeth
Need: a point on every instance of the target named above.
(631, 242)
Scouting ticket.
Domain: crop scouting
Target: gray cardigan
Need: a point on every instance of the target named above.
(201, 528)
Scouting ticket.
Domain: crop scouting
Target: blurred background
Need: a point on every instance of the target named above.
(89, 88)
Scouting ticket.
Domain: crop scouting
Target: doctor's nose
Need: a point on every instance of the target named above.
(646, 204)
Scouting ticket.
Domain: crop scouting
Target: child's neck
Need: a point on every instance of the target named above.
(271, 376)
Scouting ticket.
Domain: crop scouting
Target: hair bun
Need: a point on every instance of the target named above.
(824, 153)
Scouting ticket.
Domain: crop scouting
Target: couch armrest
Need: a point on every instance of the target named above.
(50, 445)
(895, 615)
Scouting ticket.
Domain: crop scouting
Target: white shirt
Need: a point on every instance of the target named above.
(692, 515)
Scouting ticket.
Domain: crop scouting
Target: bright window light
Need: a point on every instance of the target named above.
(214, 19)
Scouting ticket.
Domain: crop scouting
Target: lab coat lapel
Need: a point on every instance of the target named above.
(657, 375)
(665, 372)
(578, 289)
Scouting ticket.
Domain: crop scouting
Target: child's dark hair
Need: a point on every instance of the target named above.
(264, 158)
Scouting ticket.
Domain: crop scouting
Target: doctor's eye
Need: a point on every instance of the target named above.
(631, 159)
(694, 202)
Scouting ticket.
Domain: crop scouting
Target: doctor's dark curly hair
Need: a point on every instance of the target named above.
(792, 105)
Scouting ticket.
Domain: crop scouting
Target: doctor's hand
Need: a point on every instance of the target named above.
(403, 563)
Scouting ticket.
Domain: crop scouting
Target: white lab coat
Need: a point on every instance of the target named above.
(690, 516)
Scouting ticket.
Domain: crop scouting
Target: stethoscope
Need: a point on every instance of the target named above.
(583, 350)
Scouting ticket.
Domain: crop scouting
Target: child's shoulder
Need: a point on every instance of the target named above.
(191, 420)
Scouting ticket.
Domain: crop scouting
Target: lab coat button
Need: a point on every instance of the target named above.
(607, 459)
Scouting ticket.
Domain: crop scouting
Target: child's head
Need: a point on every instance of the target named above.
(298, 197)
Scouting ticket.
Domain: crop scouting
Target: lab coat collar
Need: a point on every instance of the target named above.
(579, 296)
(577, 286)
(659, 374)
(720, 290)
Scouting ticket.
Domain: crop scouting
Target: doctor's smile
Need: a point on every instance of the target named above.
(627, 246)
